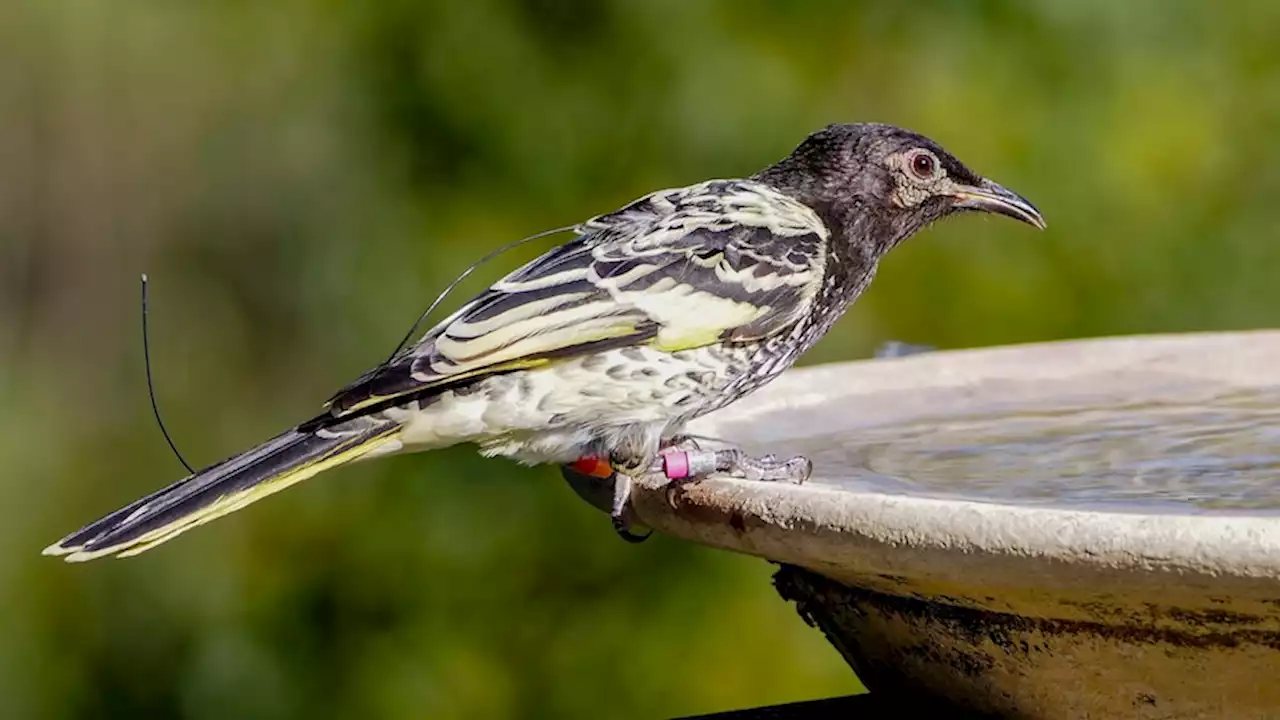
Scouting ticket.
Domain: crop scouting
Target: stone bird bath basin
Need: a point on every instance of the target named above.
(1064, 530)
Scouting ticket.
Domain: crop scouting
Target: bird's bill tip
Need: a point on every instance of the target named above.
(994, 198)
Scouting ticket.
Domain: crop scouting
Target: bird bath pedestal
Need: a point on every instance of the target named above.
(1064, 530)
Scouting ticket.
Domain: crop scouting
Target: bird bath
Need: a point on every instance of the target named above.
(1062, 530)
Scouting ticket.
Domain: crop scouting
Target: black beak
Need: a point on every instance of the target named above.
(993, 198)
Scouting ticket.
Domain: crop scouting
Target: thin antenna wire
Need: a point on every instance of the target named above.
(463, 276)
(151, 390)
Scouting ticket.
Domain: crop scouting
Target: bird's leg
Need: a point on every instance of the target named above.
(618, 511)
(683, 460)
(623, 472)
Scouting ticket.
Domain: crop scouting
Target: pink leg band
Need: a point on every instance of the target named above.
(676, 465)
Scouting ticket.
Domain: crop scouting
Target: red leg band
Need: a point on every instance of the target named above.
(593, 466)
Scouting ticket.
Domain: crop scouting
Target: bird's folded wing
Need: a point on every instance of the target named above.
(684, 274)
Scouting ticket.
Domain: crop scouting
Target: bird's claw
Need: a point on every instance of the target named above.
(623, 529)
(673, 487)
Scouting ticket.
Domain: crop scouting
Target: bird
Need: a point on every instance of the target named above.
(602, 349)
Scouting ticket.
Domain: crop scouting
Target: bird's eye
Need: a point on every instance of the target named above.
(923, 165)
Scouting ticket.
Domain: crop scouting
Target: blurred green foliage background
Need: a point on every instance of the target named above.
(300, 178)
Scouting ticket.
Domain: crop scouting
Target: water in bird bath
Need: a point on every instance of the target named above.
(1203, 455)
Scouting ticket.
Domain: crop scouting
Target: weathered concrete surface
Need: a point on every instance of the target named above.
(1024, 611)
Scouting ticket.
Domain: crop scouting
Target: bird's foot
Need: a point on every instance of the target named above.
(771, 468)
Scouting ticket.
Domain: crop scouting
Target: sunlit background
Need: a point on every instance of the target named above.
(301, 178)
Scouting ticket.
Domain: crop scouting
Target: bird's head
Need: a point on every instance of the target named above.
(884, 182)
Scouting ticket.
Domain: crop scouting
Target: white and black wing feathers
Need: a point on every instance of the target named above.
(725, 260)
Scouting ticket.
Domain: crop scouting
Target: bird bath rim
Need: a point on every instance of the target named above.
(825, 526)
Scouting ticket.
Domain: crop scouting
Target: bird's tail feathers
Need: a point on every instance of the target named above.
(223, 488)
